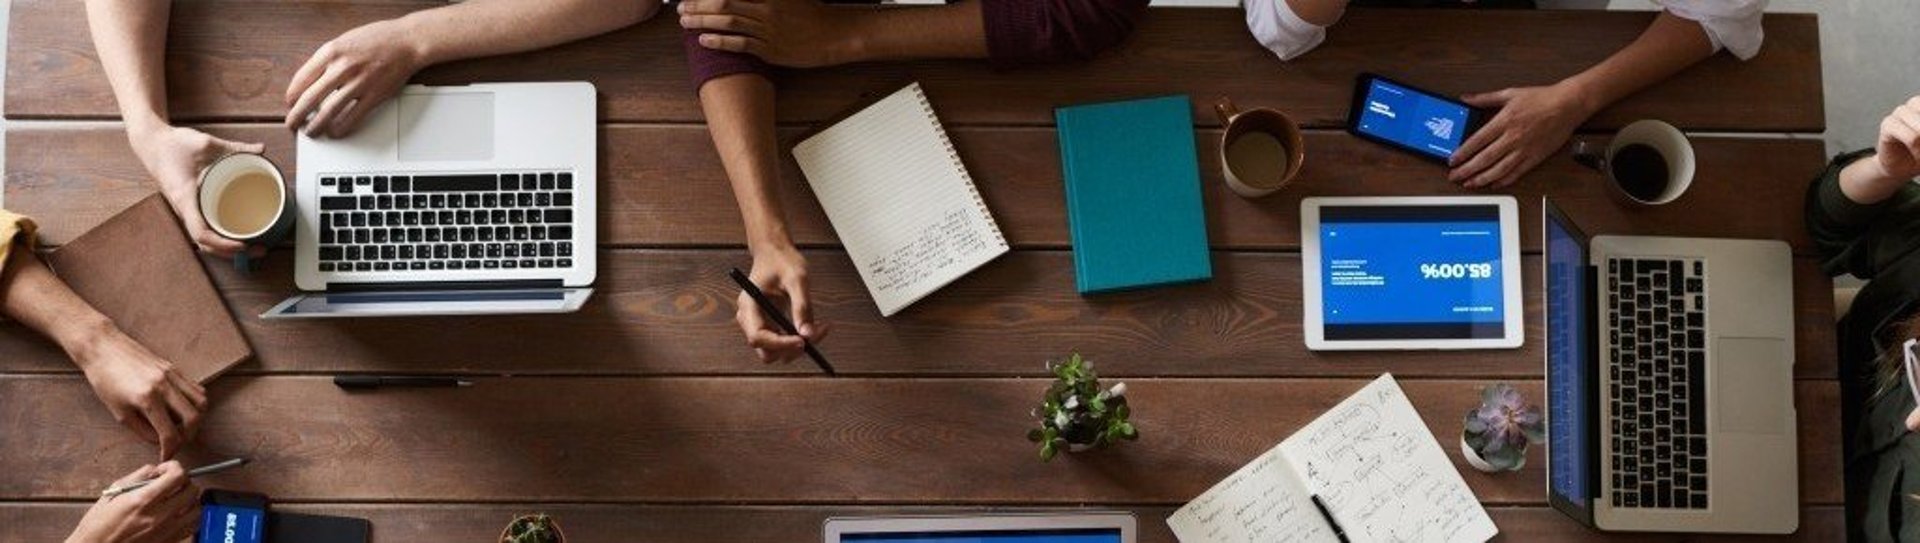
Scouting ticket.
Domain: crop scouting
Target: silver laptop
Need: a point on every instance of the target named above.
(463, 200)
(1000, 528)
(1670, 382)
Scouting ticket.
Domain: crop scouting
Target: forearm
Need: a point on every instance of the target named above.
(955, 30)
(1669, 45)
(480, 28)
(739, 111)
(1866, 183)
(33, 296)
(131, 38)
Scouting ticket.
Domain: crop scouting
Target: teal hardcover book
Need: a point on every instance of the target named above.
(1133, 194)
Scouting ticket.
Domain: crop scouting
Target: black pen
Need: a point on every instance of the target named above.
(368, 382)
(773, 313)
(1328, 514)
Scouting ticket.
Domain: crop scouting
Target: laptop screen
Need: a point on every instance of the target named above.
(1568, 420)
(1008, 536)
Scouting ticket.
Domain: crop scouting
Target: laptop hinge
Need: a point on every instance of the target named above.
(415, 286)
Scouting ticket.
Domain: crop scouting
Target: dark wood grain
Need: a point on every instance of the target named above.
(662, 186)
(671, 313)
(231, 59)
(38, 522)
(737, 440)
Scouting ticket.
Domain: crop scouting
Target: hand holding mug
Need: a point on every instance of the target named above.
(175, 156)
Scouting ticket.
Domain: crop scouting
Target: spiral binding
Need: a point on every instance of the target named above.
(941, 128)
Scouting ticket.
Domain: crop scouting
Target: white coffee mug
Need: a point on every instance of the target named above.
(1673, 148)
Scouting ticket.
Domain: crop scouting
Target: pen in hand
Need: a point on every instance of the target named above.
(208, 469)
(773, 314)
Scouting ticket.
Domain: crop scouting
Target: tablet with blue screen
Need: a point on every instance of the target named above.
(994, 528)
(1411, 273)
(1401, 116)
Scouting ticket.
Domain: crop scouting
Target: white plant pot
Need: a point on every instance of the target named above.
(1473, 458)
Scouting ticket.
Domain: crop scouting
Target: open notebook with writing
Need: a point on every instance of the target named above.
(900, 200)
(1374, 463)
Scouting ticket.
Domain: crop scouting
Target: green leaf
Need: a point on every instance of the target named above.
(1047, 452)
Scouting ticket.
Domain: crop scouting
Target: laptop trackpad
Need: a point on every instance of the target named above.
(446, 126)
(1752, 381)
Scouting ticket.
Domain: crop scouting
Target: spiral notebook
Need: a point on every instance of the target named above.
(900, 200)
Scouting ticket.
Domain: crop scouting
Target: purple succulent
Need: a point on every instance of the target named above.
(1500, 429)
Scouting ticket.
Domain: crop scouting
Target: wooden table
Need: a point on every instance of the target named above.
(642, 418)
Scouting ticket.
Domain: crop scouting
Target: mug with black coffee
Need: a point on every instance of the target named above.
(244, 198)
(1260, 149)
(1649, 162)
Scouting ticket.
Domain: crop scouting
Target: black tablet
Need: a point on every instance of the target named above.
(1404, 117)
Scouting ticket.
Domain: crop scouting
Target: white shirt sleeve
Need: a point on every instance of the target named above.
(1281, 30)
(1733, 25)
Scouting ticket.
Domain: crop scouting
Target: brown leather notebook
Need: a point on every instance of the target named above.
(140, 270)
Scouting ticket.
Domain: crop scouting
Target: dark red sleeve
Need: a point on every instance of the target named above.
(707, 64)
(1038, 31)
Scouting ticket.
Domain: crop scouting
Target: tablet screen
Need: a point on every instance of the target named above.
(1022, 536)
(1414, 119)
(1411, 272)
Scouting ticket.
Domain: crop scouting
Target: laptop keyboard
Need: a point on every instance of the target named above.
(378, 223)
(1658, 376)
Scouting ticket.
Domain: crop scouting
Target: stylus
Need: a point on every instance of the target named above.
(773, 314)
(367, 382)
(208, 469)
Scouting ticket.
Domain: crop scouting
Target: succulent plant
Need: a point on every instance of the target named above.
(1076, 413)
(538, 528)
(1501, 428)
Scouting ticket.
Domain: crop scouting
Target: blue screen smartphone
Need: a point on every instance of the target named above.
(1404, 117)
(232, 517)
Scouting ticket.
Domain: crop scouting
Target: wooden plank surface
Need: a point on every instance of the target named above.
(785, 524)
(662, 186)
(671, 313)
(231, 59)
(737, 440)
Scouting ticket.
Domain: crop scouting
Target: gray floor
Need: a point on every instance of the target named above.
(1867, 49)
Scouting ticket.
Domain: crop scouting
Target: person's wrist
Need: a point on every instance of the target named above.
(84, 337)
(852, 40)
(1580, 95)
(406, 34)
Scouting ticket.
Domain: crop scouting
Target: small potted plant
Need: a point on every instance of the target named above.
(1498, 432)
(1076, 414)
(536, 528)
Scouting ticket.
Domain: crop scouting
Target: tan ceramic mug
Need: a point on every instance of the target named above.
(1260, 150)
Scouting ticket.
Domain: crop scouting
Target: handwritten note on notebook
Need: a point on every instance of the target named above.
(1371, 459)
(900, 200)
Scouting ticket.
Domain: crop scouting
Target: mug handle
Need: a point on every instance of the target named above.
(1226, 110)
(1584, 154)
(243, 263)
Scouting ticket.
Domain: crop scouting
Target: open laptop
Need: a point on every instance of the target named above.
(1670, 382)
(996, 528)
(464, 200)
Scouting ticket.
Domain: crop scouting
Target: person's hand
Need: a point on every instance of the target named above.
(165, 511)
(780, 273)
(791, 33)
(143, 391)
(349, 77)
(1532, 124)
(1898, 151)
(175, 156)
(1913, 421)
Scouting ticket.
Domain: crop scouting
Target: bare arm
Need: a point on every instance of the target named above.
(131, 37)
(1533, 122)
(739, 111)
(350, 75)
(144, 392)
(1669, 45)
